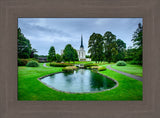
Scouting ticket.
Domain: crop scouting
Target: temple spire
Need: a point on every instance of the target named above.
(81, 42)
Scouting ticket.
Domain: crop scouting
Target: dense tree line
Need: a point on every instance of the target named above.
(108, 48)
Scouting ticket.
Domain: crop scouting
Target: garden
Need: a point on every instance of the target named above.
(111, 74)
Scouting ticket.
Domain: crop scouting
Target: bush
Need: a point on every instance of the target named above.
(121, 63)
(69, 68)
(61, 64)
(22, 62)
(94, 67)
(101, 68)
(89, 65)
(32, 64)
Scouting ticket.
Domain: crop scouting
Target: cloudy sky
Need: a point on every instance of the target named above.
(57, 32)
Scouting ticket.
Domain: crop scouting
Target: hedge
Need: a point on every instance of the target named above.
(61, 64)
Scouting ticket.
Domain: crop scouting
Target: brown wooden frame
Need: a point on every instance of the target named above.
(10, 10)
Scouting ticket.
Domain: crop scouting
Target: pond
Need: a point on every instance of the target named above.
(79, 81)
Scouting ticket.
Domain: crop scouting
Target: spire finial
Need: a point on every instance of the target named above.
(81, 42)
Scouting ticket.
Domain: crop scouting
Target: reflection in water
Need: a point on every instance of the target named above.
(81, 80)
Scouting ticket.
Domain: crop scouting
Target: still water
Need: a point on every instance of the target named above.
(79, 81)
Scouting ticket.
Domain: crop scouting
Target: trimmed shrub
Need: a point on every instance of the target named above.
(69, 68)
(94, 67)
(121, 63)
(32, 64)
(61, 64)
(22, 62)
(89, 65)
(101, 68)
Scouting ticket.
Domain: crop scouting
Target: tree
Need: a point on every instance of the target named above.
(95, 46)
(110, 46)
(58, 58)
(130, 54)
(69, 53)
(137, 36)
(51, 54)
(33, 51)
(24, 46)
(75, 57)
(137, 42)
(121, 46)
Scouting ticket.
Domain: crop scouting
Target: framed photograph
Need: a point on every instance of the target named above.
(83, 59)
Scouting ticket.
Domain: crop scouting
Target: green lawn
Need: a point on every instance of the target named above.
(132, 69)
(29, 88)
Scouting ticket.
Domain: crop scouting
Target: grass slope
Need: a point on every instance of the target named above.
(132, 69)
(29, 88)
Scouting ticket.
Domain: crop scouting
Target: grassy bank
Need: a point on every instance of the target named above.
(132, 69)
(29, 88)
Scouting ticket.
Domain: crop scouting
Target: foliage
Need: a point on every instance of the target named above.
(69, 68)
(87, 56)
(102, 68)
(58, 58)
(110, 46)
(22, 62)
(133, 62)
(32, 64)
(51, 54)
(33, 55)
(60, 64)
(94, 67)
(75, 56)
(137, 40)
(69, 53)
(89, 65)
(95, 46)
(121, 46)
(130, 54)
(121, 63)
(137, 36)
(24, 46)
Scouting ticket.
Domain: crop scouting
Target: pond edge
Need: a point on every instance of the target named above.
(117, 84)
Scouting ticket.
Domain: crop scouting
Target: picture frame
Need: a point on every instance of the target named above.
(10, 11)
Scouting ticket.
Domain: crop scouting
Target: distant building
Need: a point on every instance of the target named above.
(42, 59)
(81, 53)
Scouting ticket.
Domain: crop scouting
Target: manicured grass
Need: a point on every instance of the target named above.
(132, 69)
(30, 88)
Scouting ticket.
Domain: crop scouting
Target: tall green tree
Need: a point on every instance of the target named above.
(121, 47)
(24, 46)
(95, 46)
(51, 54)
(110, 46)
(69, 53)
(137, 42)
(137, 36)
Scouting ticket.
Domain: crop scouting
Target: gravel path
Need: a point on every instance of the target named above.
(127, 74)
(45, 65)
